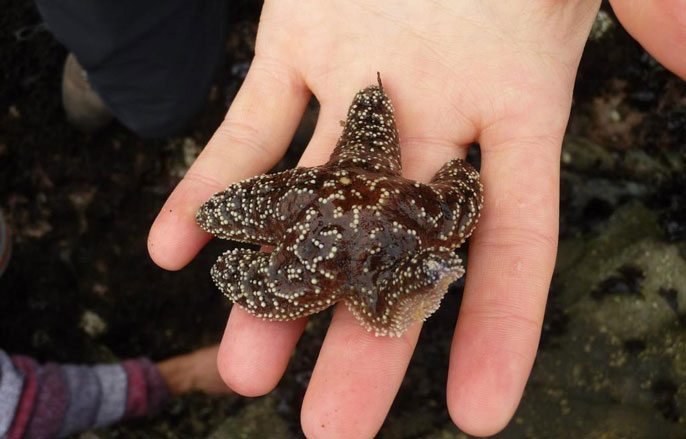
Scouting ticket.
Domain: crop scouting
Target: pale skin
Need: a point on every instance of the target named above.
(458, 71)
(193, 372)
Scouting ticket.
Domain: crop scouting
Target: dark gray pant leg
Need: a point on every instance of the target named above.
(152, 62)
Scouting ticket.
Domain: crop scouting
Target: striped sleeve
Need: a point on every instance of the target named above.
(158, 392)
(11, 384)
(84, 399)
(53, 400)
(51, 403)
(113, 383)
(137, 390)
(29, 368)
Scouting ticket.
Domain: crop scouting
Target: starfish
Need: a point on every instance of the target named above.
(352, 230)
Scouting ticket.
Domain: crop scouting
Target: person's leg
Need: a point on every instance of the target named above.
(152, 63)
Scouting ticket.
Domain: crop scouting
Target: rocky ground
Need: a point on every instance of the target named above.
(81, 288)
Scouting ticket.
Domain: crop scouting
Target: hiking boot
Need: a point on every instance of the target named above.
(85, 109)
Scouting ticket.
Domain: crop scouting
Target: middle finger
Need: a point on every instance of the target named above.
(355, 369)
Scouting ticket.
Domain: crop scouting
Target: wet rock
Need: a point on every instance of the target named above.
(618, 369)
(257, 420)
(601, 26)
(582, 154)
(627, 282)
(617, 281)
(185, 151)
(551, 413)
(92, 324)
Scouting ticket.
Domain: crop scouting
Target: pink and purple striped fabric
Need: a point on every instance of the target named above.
(57, 400)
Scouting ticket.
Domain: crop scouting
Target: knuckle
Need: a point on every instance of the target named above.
(517, 237)
(506, 318)
(204, 180)
(270, 69)
(242, 135)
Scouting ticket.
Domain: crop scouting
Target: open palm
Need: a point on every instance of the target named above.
(500, 73)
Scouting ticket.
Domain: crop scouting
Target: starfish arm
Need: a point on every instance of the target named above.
(249, 279)
(257, 210)
(370, 137)
(460, 197)
(411, 292)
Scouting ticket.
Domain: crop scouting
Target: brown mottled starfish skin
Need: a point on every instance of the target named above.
(352, 230)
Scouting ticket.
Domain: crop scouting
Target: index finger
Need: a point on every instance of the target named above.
(251, 139)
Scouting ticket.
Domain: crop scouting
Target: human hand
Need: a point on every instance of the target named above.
(193, 372)
(500, 73)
